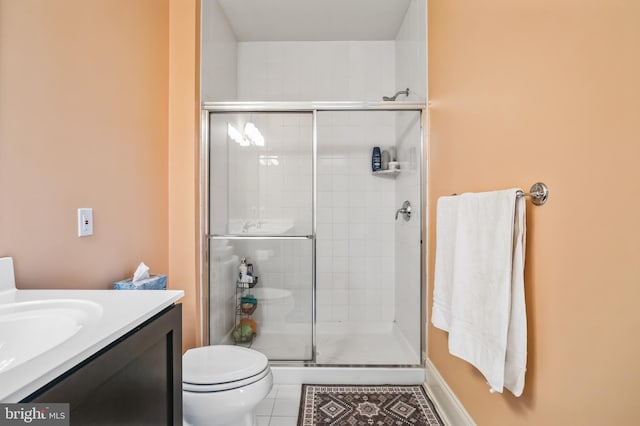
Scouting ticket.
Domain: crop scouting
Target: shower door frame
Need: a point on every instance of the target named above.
(209, 108)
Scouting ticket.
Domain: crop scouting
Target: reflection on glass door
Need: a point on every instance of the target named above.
(261, 209)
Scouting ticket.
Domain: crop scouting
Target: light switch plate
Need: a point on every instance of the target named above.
(85, 222)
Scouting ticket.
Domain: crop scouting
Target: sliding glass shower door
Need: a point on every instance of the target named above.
(261, 221)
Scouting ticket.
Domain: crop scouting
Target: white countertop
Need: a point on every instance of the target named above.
(123, 310)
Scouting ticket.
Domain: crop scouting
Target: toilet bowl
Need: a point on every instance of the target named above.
(222, 385)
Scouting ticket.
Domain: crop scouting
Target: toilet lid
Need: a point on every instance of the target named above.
(209, 365)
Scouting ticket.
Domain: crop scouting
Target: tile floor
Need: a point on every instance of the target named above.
(280, 407)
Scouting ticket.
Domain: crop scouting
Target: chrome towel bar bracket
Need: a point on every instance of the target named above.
(539, 193)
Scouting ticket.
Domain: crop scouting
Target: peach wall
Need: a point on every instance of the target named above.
(83, 123)
(183, 157)
(549, 90)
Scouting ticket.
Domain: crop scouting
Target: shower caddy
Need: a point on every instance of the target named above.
(245, 327)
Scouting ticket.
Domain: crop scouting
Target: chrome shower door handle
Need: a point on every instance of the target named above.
(405, 210)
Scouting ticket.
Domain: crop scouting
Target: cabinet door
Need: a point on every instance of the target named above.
(137, 380)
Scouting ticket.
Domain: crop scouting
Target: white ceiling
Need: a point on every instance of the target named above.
(314, 20)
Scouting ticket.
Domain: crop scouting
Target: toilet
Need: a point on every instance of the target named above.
(223, 385)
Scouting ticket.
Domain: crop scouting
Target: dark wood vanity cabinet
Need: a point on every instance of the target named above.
(136, 380)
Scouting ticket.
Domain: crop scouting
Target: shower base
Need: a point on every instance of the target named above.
(338, 343)
(363, 344)
(348, 375)
(284, 342)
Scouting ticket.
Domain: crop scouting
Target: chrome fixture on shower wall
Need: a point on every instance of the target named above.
(405, 210)
(393, 98)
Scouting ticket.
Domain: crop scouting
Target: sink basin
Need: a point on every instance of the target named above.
(28, 329)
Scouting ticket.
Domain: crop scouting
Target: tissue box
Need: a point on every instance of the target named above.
(154, 282)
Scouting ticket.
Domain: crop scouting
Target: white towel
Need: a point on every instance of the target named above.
(479, 283)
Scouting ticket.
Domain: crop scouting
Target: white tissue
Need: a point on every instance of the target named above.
(141, 273)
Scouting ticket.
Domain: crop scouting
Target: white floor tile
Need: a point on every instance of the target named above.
(283, 421)
(265, 407)
(289, 391)
(263, 420)
(286, 407)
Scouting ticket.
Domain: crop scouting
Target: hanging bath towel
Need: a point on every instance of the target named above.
(479, 283)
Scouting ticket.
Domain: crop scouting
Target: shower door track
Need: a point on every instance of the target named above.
(312, 107)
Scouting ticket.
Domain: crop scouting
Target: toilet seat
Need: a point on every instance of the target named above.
(190, 387)
(222, 367)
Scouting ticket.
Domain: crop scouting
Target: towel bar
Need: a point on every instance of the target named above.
(539, 193)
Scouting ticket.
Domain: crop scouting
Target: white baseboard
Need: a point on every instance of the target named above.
(447, 404)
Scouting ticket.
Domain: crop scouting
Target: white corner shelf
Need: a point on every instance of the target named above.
(388, 173)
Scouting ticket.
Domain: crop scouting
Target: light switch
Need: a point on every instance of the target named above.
(85, 222)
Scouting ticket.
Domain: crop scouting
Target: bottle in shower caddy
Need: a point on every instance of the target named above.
(376, 159)
(243, 276)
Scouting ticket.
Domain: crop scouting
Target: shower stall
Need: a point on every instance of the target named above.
(295, 96)
(291, 190)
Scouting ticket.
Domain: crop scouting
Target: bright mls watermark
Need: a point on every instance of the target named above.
(34, 414)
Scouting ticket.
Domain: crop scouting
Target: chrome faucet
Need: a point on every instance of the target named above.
(405, 210)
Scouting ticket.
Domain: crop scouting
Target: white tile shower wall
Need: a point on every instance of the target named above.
(282, 265)
(407, 233)
(218, 175)
(272, 184)
(219, 55)
(411, 71)
(411, 48)
(316, 71)
(355, 224)
(223, 267)
(284, 289)
(222, 260)
(248, 185)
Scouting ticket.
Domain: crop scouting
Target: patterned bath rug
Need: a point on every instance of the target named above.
(362, 405)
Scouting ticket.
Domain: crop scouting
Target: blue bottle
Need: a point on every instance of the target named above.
(376, 159)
